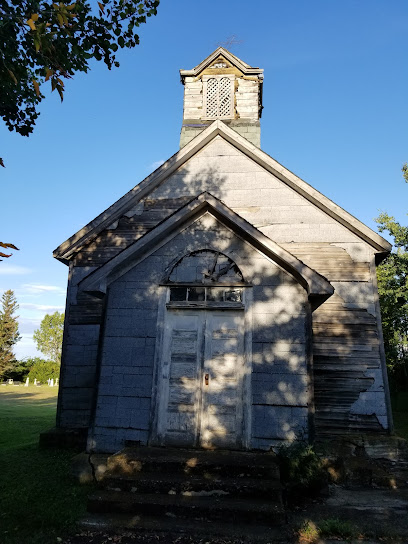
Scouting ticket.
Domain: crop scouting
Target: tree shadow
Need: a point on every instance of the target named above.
(288, 384)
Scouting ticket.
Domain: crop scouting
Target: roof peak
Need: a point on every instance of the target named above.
(233, 59)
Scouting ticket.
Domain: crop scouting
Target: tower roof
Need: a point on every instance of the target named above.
(245, 68)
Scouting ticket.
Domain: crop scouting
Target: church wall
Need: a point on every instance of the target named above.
(347, 359)
(279, 378)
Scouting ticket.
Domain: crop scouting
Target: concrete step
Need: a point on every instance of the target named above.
(212, 508)
(195, 485)
(215, 464)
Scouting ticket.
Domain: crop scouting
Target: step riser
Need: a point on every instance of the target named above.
(261, 489)
(184, 512)
(228, 471)
(189, 485)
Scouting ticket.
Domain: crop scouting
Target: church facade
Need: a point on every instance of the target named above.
(222, 302)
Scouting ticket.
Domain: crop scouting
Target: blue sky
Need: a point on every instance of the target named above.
(335, 113)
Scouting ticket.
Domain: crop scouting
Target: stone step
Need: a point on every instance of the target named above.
(187, 484)
(200, 508)
(205, 530)
(134, 460)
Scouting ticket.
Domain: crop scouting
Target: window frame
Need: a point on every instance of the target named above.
(218, 77)
(223, 304)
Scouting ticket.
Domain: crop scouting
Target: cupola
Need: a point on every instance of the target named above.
(222, 87)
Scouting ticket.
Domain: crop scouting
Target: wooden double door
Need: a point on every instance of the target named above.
(200, 390)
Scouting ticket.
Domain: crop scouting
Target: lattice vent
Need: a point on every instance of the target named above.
(212, 98)
(224, 97)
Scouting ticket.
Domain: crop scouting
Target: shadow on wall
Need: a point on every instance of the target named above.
(280, 337)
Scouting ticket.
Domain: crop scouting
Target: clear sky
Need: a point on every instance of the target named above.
(335, 113)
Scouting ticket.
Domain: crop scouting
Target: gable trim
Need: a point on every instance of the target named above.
(88, 233)
(317, 287)
(238, 63)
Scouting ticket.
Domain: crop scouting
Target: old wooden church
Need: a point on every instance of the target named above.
(222, 302)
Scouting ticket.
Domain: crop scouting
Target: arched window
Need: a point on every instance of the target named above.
(206, 276)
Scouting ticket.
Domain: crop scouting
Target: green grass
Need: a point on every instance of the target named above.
(38, 500)
(400, 413)
(338, 528)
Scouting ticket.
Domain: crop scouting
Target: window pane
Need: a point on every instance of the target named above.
(196, 293)
(234, 295)
(214, 294)
(178, 293)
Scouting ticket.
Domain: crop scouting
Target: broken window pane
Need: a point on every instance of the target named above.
(234, 295)
(178, 293)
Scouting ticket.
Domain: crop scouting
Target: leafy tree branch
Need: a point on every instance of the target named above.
(50, 42)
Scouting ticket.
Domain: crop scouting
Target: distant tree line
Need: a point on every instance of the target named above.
(48, 338)
(393, 290)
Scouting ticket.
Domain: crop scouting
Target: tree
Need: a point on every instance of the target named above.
(9, 334)
(393, 290)
(43, 41)
(20, 370)
(44, 370)
(49, 336)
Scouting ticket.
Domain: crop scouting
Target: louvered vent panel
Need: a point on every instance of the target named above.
(225, 97)
(212, 98)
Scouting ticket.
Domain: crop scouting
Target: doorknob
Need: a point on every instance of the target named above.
(206, 378)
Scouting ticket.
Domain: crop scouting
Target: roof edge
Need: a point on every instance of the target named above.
(67, 249)
(243, 66)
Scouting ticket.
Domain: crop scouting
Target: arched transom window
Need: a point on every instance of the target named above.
(206, 276)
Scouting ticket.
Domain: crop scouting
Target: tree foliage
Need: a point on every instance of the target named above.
(44, 370)
(9, 334)
(42, 42)
(393, 290)
(20, 370)
(6, 246)
(49, 336)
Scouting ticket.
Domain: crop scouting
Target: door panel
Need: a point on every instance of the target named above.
(179, 413)
(221, 422)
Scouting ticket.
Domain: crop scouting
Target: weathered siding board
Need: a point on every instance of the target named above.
(86, 311)
(346, 348)
(79, 354)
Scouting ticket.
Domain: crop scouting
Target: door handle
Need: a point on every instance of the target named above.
(206, 378)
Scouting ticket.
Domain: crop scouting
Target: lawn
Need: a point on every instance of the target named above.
(38, 500)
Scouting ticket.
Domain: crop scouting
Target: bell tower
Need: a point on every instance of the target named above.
(222, 87)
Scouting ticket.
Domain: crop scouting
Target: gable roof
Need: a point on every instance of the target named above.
(317, 287)
(235, 61)
(88, 233)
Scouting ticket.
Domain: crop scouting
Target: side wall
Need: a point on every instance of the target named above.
(279, 372)
(79, 354)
